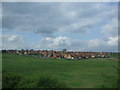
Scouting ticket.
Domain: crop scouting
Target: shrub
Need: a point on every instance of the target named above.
(10, 79)
(15, 80)
(46, 81)
(26, 82)
(42, 81)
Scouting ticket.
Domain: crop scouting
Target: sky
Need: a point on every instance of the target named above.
(75, 26)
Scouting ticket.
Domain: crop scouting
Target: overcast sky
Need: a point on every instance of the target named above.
(77, 26)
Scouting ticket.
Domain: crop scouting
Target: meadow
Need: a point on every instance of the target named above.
(85, 73)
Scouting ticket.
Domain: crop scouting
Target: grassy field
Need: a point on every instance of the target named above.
(86, 73)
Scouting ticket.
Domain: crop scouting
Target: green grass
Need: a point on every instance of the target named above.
(86, 73)
(114, 56)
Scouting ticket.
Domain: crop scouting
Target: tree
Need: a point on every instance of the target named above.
(31, 50)
(64, 50)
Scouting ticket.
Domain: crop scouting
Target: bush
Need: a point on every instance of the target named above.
(46, 81)
(16, 80)
(42, 81)
(26, 82)
(10, 79)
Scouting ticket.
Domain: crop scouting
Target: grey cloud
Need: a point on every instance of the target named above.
(32, 16)
(82, 29)
(45, 29)
(50, 18)
(111, 28)
(28, 16)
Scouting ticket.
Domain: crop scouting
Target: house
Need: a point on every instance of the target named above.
(93, 56)
(60, 54)
(68, 56)
(25, 52)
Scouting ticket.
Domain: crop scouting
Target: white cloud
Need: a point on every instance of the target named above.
(113, 41)
(60, 42)
(12, 41)
(96, 43)
(109, 44)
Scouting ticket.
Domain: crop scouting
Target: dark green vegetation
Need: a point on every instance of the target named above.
(86, 73)
(16, 80)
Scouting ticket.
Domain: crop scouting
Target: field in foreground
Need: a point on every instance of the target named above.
(86, 73)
